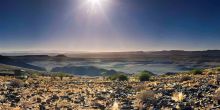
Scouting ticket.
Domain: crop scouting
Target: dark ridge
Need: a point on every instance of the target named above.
(61, 55)
(13, 62)
(84, 70)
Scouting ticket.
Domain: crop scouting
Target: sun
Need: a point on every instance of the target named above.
(94, 2)
(94, 6)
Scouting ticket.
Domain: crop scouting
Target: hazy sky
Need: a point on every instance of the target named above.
(109, 25)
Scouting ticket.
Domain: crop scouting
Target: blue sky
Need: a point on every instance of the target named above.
(109, 25)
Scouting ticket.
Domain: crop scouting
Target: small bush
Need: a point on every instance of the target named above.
(196, 71)
(120, 77)
(146, 95)
(210, 73)
(34, 75)
(218, 68)
(140, 87)
(146, 99)
(186, 78)
(16, 83)
(113, 77)
(144, 75)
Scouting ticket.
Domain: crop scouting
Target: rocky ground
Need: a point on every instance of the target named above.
(170, 92)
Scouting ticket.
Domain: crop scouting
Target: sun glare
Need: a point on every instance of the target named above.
(94, 2)
(95, 5)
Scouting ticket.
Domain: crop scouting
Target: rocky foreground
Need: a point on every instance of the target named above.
(173, 92)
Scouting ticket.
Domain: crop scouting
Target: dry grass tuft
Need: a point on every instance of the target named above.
(216, 96)
(178, 96)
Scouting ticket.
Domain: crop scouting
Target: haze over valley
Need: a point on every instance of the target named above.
(158, 62)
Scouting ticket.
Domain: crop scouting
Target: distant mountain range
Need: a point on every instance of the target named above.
(109, 54)
(113, 55)
(179, 57)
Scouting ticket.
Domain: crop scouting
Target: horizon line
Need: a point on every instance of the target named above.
(71, 51)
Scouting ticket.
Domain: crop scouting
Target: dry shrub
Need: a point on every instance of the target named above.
(212, 81)
(218, 78)
(211, 73)
(146, 95)
(218, 68)
(146, 98)
(16, 83)
(140, 87)
(186, 78)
